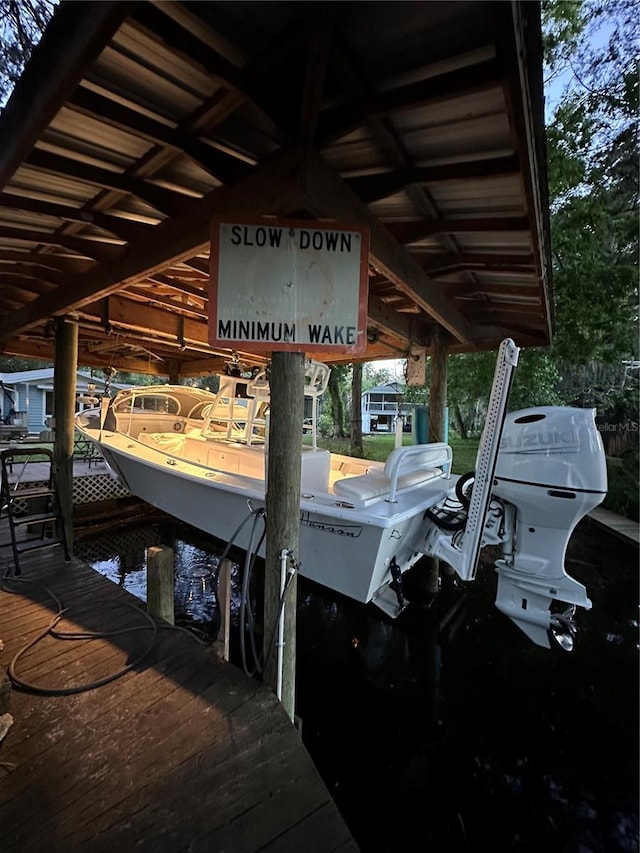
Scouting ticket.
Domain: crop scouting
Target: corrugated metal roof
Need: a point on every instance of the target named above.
(422, 120)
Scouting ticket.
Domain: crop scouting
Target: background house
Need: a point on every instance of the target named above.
(382, 405)
(26, 396)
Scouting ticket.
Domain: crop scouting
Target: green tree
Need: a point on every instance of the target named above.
(374, 375)
(22, 23)
(337, 390)
(14, 364)
(593, 179)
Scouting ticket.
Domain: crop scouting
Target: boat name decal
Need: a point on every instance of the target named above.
(352, 531)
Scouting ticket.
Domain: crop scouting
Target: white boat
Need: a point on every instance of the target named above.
(202, 457)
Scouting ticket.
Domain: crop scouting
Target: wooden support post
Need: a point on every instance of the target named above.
(437, 406)
(356, 411)
(160, 583)
(224, 606)
(64, 407)
(174, 372)
(438, 386)
(283, 514)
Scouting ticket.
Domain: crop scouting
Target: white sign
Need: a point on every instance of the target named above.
(281, 284)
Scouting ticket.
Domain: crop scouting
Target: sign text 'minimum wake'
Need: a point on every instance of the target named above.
(288, 284)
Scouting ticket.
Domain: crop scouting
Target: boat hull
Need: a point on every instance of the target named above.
(342, 550)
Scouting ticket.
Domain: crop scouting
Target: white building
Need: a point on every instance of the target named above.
(382, 405)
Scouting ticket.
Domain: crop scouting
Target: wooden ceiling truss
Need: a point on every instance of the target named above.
(422, 121)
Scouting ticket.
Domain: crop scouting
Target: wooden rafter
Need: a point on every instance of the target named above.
(338, 121)
(326, 195)
(370, 188)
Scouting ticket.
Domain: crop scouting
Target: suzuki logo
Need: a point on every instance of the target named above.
(539, 440)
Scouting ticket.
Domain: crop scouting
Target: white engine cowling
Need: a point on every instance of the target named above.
(551, 467)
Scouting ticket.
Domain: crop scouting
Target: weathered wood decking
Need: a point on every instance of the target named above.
(181, 753)
(624, 528)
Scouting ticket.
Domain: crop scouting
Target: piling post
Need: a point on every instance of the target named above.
(64, 407)
(224, 607)
(438, 385)
(160, 583)
(283, 515)
(437, 407)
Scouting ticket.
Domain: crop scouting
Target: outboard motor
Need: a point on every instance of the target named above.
(538, 472)
(551, 468)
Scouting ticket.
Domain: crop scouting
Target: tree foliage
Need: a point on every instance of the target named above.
(373, 375)
(593, 178)
(22, 23)
(592, 154)
(13, 364)
(338, 387)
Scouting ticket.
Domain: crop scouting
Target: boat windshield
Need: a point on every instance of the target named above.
(158, 403)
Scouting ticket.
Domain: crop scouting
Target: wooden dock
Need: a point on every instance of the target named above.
(623, 528)
(183, 752)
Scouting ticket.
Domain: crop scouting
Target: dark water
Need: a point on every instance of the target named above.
(449, 730)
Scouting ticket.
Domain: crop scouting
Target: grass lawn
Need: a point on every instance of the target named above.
(378, 447)
(622, 497)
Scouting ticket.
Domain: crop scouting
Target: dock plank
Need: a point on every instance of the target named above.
(623, 528)
(184, 752)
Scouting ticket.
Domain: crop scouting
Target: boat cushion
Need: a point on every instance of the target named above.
(368, 486)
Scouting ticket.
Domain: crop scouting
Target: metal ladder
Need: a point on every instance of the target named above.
(32, 507)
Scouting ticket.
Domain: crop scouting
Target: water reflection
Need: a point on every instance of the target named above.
(122, 557)
(449, 726)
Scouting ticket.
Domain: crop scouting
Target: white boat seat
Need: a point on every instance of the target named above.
(406, 467)
(368, 486)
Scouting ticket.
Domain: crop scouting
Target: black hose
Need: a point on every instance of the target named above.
(247, 621)
(245, 606)
(245, 603)
(69, 691)
(50, 629)
(80, 635)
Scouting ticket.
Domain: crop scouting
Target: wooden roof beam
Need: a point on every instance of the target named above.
(222, 166)
(320, 23)
(53, 73)
(519, 35)
(48, 277)
(184, 43)
(150, 298)
(85, 246)
(327, 196)
(124, 229)
(163, 200)
(122, 313)
(273, 188)
(487, 310)
(339, 121)
(412, 232)
(460, 291)
(179, 286)
(372, 188)
(387, 320)
(21, 289)
(46, 260)
(444, 264)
